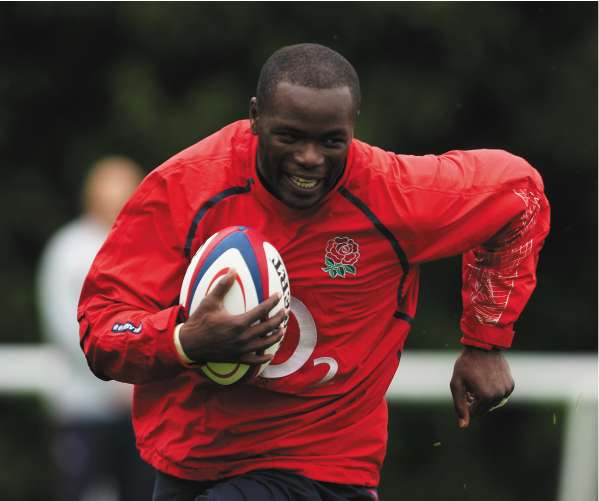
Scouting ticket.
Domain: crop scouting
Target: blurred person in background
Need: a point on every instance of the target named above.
(94, 446)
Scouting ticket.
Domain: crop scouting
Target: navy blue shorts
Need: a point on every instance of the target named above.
(262, 485)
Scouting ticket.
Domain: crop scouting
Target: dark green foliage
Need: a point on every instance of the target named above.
(25, 466)
(148, 79)
(512, 454)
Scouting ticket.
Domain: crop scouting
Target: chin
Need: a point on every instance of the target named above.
(301, 204)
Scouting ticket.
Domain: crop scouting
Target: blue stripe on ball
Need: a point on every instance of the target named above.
(237, 240)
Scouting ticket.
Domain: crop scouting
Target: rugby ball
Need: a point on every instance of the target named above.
(260, 273)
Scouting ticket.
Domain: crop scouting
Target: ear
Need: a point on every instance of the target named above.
(254, 115)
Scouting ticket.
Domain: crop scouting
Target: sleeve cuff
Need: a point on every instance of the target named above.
(165, 322)
(485, 336)
(476, 344)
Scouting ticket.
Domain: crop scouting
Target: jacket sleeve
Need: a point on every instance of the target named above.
(129, 302)
(489, 206)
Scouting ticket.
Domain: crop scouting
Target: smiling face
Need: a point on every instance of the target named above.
(304, 137)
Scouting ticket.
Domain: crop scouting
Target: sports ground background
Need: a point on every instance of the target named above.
(82, 80)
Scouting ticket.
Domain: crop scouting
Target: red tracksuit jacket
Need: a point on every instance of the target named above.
(319, 408)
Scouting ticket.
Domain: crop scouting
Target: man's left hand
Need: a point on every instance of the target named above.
(481, 381)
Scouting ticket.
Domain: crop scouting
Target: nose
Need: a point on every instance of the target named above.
(309, 155)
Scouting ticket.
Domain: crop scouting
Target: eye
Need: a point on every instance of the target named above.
(334, 142)
(286, 137)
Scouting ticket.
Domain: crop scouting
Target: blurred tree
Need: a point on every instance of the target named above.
(147, 79)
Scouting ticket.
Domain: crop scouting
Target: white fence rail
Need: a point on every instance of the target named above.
(424, 376)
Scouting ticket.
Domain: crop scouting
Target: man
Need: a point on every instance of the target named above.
(92, 447)
(352, 223)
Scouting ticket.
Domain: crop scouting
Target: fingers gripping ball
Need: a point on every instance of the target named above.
(260, 273)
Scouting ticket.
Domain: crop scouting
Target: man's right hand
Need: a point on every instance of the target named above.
(212, 334)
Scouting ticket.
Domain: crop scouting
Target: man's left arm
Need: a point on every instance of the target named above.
(498, 278)
(489, 206)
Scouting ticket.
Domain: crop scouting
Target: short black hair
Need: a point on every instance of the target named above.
(309, 65)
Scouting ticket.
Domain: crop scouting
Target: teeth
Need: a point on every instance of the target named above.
(304, 183)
